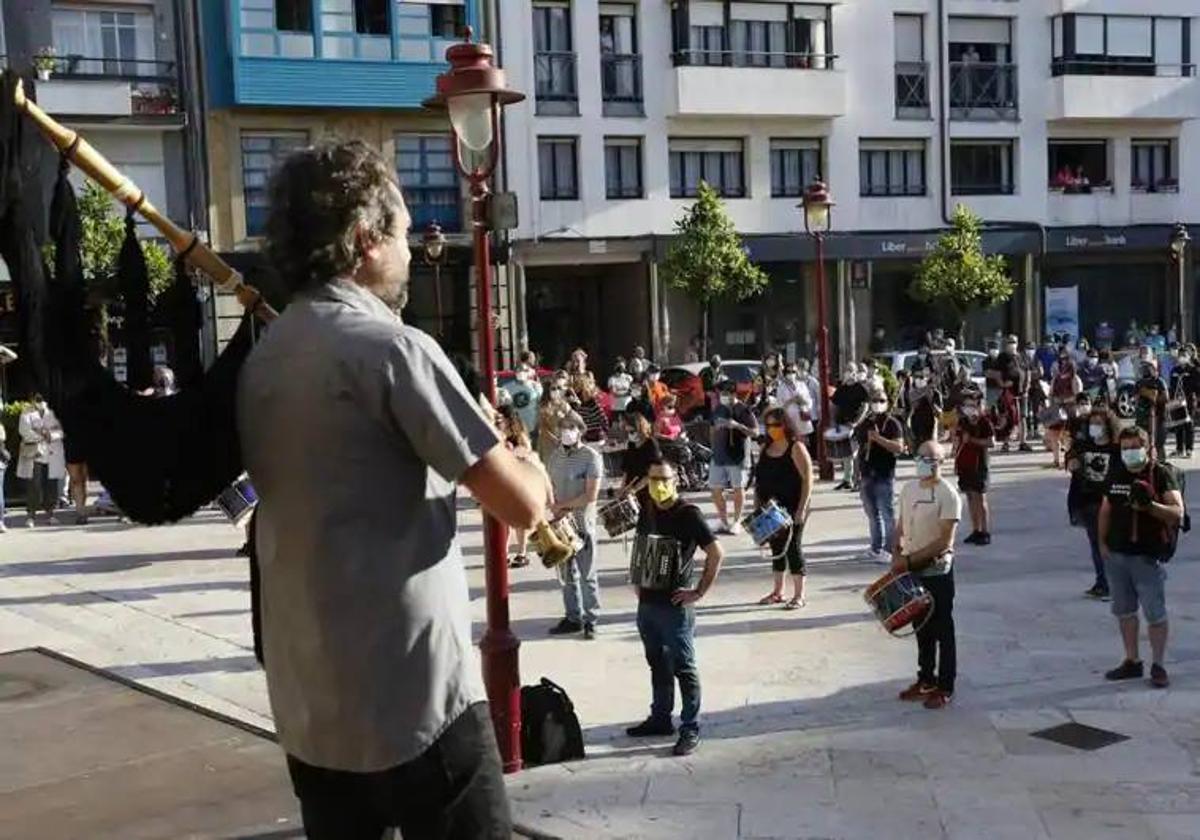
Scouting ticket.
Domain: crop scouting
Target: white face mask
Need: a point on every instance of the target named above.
(925, 468)
(970, 411)
(726, 399)
(570, 437)
(1097, 432)
(993, 353)
(918, 383)
(879, 407)
(1134, 459)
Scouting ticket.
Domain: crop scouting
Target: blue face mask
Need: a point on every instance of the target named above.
(1135, 459)
(925, 468)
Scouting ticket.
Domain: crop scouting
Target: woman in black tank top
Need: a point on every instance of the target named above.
(784, 475)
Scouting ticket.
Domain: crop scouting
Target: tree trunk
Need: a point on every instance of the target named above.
(705, 306)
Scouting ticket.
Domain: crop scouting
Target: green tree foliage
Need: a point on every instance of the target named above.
(707, 261)
(958, 275)
(103, 233)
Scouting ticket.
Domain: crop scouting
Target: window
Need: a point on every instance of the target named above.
(261, 153)
(554, 59)
(1078, 166)
(371, 17)
(794, 165)
(983, 79)
(447, 21)
(620, 65)
(1121, 45)
(623, 167)
(755, 34)
(293, 15)
(1154, 166)
(708, 45)
(719, 163)
(558, 174)
(704, 39)
(117, 43)
(891, 167)
(429, 180)
(981, 167)
(759, 43)
(912, 73)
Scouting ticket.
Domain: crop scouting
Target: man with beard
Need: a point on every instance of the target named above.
(355, 430)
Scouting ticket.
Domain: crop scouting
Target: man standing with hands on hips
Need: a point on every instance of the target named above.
(669, 533)
(1139, 522)
(929, 514)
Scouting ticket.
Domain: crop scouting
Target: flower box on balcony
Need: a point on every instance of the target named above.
(152, 103)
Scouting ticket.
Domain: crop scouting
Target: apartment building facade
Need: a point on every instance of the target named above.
(281, 74)
(1061, 123)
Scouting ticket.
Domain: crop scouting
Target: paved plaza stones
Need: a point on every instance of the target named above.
(803, 737)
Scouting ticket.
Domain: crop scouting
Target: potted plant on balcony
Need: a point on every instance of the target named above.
(44, 62)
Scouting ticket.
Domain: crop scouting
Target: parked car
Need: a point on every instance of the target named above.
(686, 382)
(899, 360)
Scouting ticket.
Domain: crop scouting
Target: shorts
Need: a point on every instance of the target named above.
(973, 482)
(726, 476)
(1134, 580)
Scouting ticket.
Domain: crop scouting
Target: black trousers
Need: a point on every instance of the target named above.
(1185, 437)
(452, 791)
(937, 655)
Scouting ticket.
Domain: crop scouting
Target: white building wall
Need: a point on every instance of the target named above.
(863, 42)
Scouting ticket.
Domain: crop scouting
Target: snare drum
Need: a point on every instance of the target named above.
(620, 516)
(238, 500)
(765, 524)
(1175, 413)
(837, 442)
(899, 601)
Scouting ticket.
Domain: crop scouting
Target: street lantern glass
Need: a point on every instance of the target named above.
(817, 216)
(471, 116)
(1180, 241)
(434, 242)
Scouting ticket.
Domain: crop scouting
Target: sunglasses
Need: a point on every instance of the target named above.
(774, 425)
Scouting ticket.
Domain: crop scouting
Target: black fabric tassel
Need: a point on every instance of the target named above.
(183, 313)
(134, 279)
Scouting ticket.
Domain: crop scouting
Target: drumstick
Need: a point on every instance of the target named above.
(635, 488)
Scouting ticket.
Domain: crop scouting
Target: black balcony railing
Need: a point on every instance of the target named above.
(912, 89)
(100, 67)
(621, 77)
(747, 58)
(554, 81)
(1118, 66)
(983, 91)
(958, 188)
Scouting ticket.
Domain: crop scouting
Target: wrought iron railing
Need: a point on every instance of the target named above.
(621, 77)
(983, 90)
(750, 58)
(102, 67)
(434, 204)
(912, 88)
(554, 77)
(983, 189)
(1118, 66)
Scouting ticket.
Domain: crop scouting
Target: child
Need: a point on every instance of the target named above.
(974, 436)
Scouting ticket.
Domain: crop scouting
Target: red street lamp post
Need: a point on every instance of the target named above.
(817, 207)
(473, 90)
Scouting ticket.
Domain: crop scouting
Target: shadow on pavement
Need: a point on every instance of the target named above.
(111, 563)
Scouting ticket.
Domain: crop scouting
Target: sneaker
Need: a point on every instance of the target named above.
(589, 630)
(1004, 447)
(3, 527)
(81, 520)
(1025, 447)
(985, 538)
(650, 728)
(29, 523)
(566, 627)
(1158, 676)
(689, 739)
(974, 538)
(939, 699)
(917, 691)
(845, 485)
(736, 528)
(1098, 592)
(724, 529)
(1126, 671)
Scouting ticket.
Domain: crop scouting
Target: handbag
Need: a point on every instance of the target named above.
(1176, 413)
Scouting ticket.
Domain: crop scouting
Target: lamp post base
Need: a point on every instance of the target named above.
(502, 681)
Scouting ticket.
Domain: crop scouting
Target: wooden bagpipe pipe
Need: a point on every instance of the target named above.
(160, 458)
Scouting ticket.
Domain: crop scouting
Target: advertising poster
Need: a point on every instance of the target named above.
(1062, 312)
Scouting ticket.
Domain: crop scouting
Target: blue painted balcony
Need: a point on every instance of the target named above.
(328, 53)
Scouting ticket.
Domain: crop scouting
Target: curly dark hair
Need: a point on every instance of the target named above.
(320, 197)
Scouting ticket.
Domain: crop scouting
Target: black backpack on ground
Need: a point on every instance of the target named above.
(550, 730)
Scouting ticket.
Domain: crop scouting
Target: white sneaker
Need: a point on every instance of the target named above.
(3, 527)
(29, 523)
(736, 528)
(877, 557)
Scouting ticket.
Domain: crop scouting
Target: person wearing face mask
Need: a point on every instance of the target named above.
(792, 395)
(925, 401)
(784, 475)
(1046, 356)
(1035, 391)
(880, 439)
(974, 435)
(1065, 386)
(849, 404)
(593, 413)
(1185, 384)
(1078, 430)
(1013, 381)
(924, 546)
(669, 533)
(656, 389)
(1139, 522)
(41, 460)
(575, 472)
(993, 376)
(641, 451)
(668, 426)
(551, 412)
(639, 364)
(1089, 461)
(639, 402)
(619, 385)
(1155, 340)
(1151, 407)
(733, 424)
(577, 364)
(808, 380)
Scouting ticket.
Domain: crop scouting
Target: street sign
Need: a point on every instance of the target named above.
(502, 211)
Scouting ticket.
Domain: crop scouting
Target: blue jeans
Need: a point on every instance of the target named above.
(1137, 581)
(876, 495)
(581, 583)
(667, 635)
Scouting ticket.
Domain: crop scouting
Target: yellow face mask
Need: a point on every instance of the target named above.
(662, 490)
(777, 433)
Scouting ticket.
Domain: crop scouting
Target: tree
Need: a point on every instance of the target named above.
(707, 260)
(103, 233)
(957, 274)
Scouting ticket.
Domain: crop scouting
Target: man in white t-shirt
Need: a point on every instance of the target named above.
(929, 513)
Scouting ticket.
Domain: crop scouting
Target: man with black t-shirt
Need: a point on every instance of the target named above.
(974, 434)
(732, 423)
(849, 408)
(1139, 522)
(880, 439)
(661, 567)
(1014, 378)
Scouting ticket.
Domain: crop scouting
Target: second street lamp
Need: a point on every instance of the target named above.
(818, 218)
(473, 91)
(433, 246)
(1180, 240)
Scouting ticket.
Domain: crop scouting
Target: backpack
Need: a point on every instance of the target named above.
(550, 730)
(1172, 532)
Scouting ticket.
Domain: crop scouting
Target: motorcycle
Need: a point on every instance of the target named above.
(690, 459)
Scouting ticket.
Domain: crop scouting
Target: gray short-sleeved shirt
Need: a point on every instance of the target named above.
(569, 473)
(354, 429)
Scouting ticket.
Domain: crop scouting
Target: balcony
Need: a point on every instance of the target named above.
(621, 84)
(121, 89)
(912, 90)
(746, 84)
(555, 90)
(1107, 95)
(983, 91)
